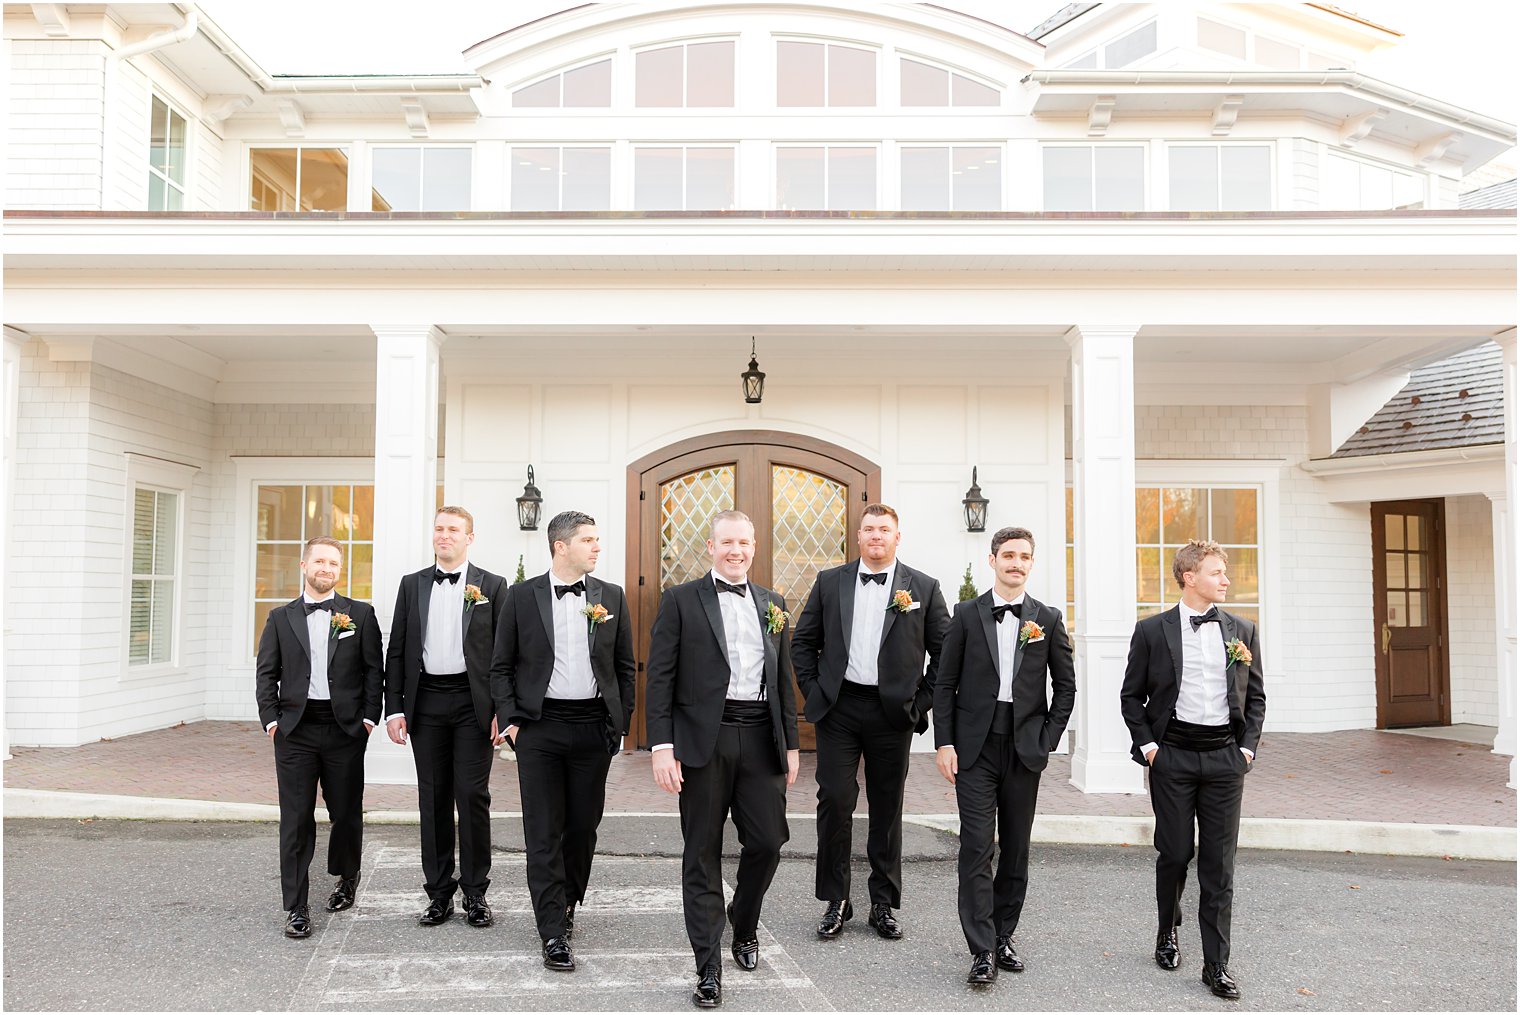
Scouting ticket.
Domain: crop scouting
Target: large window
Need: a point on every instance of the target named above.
(923, 84)
(420, 179)
(1354, 185)
(1094, 178)
(286, 517)
(819, 74)
(561, 179)
(581, 87)
(166, 158)
(697, 74)
(1126, 49)
(835, 178)
(683, 178)
(154, 576)
(1220, 177)
(952, 179)
(298, 179)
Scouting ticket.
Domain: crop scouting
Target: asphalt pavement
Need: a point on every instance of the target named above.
(180, 916)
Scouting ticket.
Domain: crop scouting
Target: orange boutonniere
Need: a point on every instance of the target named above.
(596, 615)
(341, 622)
(775, 619)
(902, 601)
(1030, 632)
(474, 597)
(1237, 652)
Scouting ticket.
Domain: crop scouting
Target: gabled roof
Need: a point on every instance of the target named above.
(1457, 402)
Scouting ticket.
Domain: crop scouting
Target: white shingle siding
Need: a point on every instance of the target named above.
(129, 112)
(54, 123)
(1472, 616)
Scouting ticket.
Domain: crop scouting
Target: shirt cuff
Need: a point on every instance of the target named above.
(370, 723)
(662, 747)
(395, 715)
(1148, 748)
(271, 726)
(1250, 754)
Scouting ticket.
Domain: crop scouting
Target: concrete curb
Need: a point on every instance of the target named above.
(1472, 842)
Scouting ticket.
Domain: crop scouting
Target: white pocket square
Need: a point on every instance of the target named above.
(347, 634)
(1031, 641)
(914, 607)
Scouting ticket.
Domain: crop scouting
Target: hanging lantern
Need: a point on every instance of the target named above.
(529, 505)
(753, 378)
(976, 507)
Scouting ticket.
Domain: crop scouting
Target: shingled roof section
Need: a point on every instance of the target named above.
(1497, 195)
(1456, 403)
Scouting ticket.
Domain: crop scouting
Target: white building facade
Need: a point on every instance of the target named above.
(1144, 270)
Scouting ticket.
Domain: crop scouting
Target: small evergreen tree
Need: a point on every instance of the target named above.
(968, 587)
(522, 575)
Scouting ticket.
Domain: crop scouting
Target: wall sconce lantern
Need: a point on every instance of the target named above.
(976, 506)
(529, 505)
(753, 378)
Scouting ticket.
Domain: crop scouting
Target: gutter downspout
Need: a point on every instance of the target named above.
(162, 39)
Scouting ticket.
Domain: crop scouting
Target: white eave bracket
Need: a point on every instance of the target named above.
(1099, 114)
(1358, 127)
(416, 116)
(1225, 114)
(291, 116)
(1436, 148)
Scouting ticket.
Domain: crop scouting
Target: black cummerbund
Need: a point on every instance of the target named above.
(318, 710)
(443, 681)
(575, 710)
(1190, 736)
(1002, 718)
(746, 713)
(855, 690)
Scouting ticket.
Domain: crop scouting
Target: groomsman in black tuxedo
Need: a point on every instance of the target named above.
(995, 729)
(562, 677)
(859, 652)
(438, 690)
(318, 684)
(722, 715)
(1194, 702)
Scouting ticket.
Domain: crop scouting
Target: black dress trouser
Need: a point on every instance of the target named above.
(744, 776)
(997, 791)
(314, 753)
(562, 776)
(453, 756)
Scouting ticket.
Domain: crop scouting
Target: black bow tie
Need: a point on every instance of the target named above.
(326, 604)
(1211, 617)
(578, 589)
(738, 590)
(1017, 609)
(452, 577)
(879, 578)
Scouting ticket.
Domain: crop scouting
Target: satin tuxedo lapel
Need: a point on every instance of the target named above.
(340, 605)
(762, 605)
(848, 583)
(1237, 674)
(899, 584)
(1171, 624)
(424, 582)
(989, 627)
(593, 598)
(707, 592)
(472, 576)
(1031, 611)
(295, 616)
(543, 595)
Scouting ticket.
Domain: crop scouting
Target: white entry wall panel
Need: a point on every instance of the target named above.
(850, 416)
(931, 424)
(1013, 426)
(494, 423)
(576, 423)
(661, 414)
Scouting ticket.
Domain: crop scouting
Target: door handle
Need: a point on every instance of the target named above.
(1387, 637)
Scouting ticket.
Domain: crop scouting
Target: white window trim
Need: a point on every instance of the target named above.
(899, 54)
(827, 146)
(355, 171)
(875, 48)
(733, 146)
(1327, 152)
(1102, 48)
(561, 146)
(1092, 146)
(683, 108)
(147, 472)
(1162, 192)
(174, 110)
(420, 145)
(902, 146)
(510, 90)
(249, 474)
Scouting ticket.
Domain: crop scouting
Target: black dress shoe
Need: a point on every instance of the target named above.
(885, 923)
(983, 970)
(747, 952)
(298, 922)
(709, 990)
(557, 955)
(835, 917)
(478, 911)
(1167, 955)
(437, 913)
(570, 922)
(1007, 958)
(343, 894)
(1218, 979)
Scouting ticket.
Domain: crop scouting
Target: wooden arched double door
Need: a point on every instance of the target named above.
(805, 496)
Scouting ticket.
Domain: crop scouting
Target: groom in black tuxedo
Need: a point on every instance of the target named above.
(859, 652)
(1194, 701)
(995, 729)
(318, 683)
(438, 691)
(722, 714)
(562, 676)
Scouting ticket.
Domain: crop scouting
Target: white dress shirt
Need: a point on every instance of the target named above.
(572, 676)
(1203, 695)
(318, 630)
(871, 601)
(746, 645)
(443, 641)
(1008, 645)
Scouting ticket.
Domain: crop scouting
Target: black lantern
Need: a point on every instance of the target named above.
(528, 505)
(753, 378)
(976, 507)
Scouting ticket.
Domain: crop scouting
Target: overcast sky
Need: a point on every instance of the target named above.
(1457, 52)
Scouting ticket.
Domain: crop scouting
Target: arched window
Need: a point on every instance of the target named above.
(588, 86)
(824, 74)
(924, 84)
(691, 75)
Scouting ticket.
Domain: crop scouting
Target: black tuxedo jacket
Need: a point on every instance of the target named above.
(523, 660)
(1153, 677)
(965, 695)
(403, 654)
(821, 644)
(282, 673)
(687, 674)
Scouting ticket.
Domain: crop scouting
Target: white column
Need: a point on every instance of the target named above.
(1103, 482)
(1506, 528)
(12, 417)
(406, 477)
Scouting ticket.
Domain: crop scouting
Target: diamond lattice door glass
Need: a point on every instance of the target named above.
(809, 529)
(687, 504)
